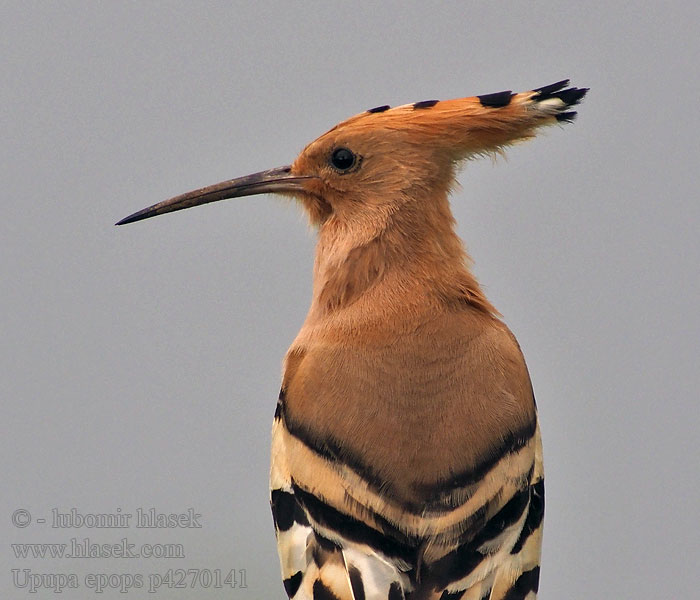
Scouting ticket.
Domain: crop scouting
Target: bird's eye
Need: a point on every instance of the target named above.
(342, 159)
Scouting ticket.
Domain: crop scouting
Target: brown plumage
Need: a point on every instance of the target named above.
(406, 457)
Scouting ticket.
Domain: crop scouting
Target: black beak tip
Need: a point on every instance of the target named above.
(137, 216)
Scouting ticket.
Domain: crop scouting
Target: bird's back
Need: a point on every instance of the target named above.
(409, 457)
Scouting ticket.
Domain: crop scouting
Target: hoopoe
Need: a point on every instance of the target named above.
(406, 453)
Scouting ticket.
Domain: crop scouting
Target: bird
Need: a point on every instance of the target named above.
(406, 456)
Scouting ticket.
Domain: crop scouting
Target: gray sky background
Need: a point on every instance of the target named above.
(141, 364)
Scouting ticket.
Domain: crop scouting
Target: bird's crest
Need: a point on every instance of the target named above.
(472, 125)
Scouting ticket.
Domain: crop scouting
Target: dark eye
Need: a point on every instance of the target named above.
(342, 159)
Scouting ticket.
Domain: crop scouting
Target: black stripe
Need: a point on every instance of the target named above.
(321, 592)
(526, 583)
(535, 515)
(425, 104)
(333, 451)
(390, 541)
(428, 497)
(497, 100)
(279, 409)
(322, 549)
(283, 506)
(513, 442)
(291, 584)
(504, 518)
(451, 595)
(286, 510)
(358, 588)
(395, 592)
(326, 544)
(463, 560)
(455, 565)
(379, 109)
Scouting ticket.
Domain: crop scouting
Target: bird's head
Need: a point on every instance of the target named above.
(383, 160)
(377, 186)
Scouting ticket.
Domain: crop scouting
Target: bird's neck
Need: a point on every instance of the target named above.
(411, 255)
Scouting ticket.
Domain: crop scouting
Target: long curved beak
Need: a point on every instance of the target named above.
(279, 180)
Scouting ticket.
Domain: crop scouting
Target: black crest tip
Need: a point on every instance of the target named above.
(425, 104)
(566, 117)
(569, 97)
(497, 100)
(548, 89)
